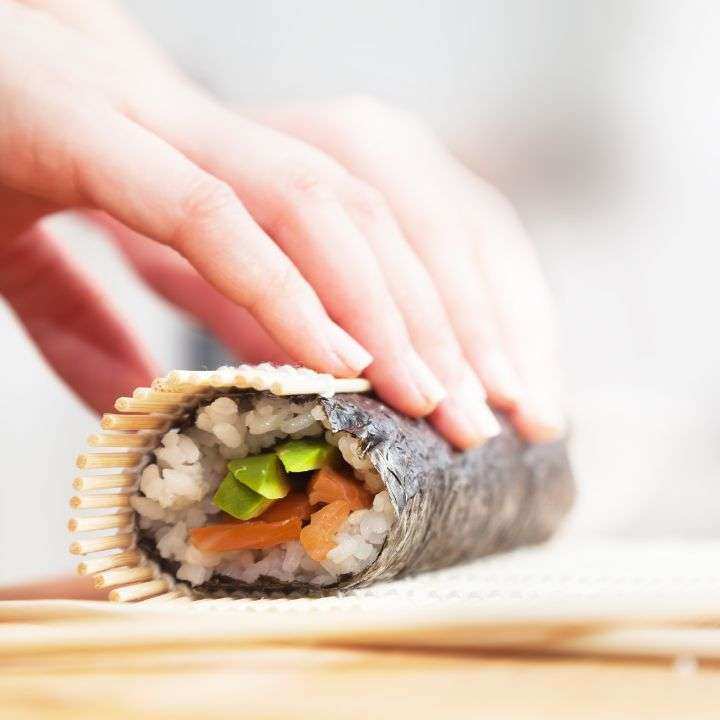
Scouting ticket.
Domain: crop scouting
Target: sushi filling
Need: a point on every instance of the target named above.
(258, 486)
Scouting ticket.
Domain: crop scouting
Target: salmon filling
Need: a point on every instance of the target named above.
(258, 487)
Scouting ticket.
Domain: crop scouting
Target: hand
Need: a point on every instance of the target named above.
(468, 238)
(92, 116)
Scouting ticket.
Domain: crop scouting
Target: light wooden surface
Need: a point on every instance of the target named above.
(62, 660)
(338, 683)
(608, 632)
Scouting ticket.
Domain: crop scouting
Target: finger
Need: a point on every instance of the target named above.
(72, 324)
(171, 276)
(523, 304)
(463, 416)
(461, 284)
(19, 212)
(121, 168)
(317, 233)
(287, 187)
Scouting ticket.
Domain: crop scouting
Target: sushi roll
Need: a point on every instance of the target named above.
(262, 479)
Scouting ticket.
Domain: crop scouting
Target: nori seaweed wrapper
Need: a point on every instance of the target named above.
(454, 506)
(451, 506)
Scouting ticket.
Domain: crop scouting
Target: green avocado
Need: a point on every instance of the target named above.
(261, 473)
(306, 454)
(238, 500)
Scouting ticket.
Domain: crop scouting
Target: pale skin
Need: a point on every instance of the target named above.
(341, 236)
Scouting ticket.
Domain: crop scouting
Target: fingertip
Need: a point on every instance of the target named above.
(539, 422)
(349, 357)
(465, 418)
(465, 430)
(504, 387)
(426, 383)
(406, 384)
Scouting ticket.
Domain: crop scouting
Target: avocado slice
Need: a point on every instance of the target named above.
(261, 473)
(238, 500)
(307, 454)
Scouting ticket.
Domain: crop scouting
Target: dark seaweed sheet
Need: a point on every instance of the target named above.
(451, 506)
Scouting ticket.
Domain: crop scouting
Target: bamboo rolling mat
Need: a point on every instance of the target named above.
(625, 630)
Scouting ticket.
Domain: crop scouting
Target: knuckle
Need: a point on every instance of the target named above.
(302, 187)
(308, 183)
(201, 205)
(207, 197)
(279, 288)
(366, 201)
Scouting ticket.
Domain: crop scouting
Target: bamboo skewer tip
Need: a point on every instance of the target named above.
(99, 501)
(122, 519)
(120, 480)
(108, 460)
(121, 559)
(109, 542)
(139, 591)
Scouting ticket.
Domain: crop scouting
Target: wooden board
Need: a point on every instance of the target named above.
(338, 683)
(609, 632)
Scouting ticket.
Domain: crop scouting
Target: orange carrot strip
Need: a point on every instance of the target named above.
(295, 504)
(328, 485)
(317, 537)
(250, 535)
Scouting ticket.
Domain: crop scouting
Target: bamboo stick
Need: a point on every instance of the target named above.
(128, 440)
(309, 385)
(258, 379)
(150, 394)
(101, 522)
(110, 421)
(139, 591)
(171, 595)
(282, 383)
(111, 542)
(98, 482)
(123, 575)
(87, 502)
(189, 377)
(97, 461)
(93, 565)
(343, 385)
(126, 404)
(294, 386)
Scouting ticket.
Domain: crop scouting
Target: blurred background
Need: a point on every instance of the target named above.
(599, 119)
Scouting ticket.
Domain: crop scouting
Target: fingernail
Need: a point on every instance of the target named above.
(467, 411)
(500, 378)
(425, 381)
(353, 355)
(462, 426)
(544, 422)
(487, 422)
(472, 397)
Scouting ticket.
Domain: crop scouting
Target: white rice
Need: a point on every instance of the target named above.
(178, 492)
